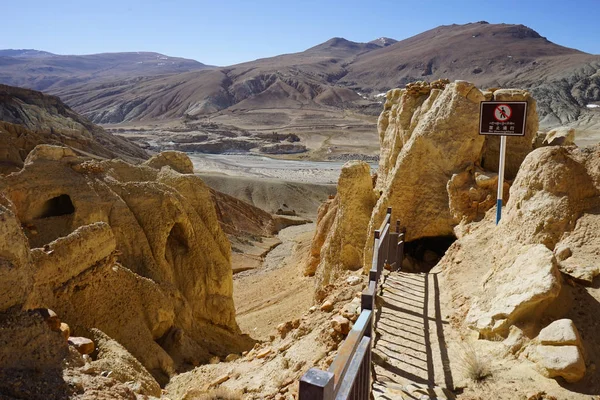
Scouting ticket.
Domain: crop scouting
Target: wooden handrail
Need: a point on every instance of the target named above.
(340, 364)
(358, 380)
(349, 373)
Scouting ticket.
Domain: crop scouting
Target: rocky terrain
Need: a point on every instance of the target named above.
(116, 277)
(520, 299)
(90, 246)
(29, 118)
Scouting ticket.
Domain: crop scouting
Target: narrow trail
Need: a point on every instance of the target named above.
(410, 354)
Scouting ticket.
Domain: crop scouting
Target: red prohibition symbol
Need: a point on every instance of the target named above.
(502, 112)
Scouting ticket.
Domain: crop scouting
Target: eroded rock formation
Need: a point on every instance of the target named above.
(134, 251)
(549, 226)
(341, 225)
(435, 170)
(29, 118)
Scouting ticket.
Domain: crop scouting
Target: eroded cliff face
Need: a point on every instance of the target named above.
(341, 225)
(435, 170)
(436, 135)
(134, 251)
(29, 118)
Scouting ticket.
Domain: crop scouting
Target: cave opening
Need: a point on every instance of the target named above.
(57, 207)
(421, 255)
(177, 244)
(49, 221)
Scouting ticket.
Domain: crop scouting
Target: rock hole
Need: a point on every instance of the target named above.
(177, 244)
(57, 206)
(423, 254)
(50, 221)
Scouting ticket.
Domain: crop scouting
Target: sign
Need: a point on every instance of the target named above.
(503, 118)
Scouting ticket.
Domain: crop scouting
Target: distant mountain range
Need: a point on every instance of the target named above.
(338, 74)
(45, 71)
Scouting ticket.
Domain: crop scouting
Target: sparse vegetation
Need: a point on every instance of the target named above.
(473, 366)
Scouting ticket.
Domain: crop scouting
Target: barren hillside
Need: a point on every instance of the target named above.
(41, 70)
(344, 75)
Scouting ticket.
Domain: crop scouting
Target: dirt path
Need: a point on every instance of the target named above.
(277, 291)
(410, 352)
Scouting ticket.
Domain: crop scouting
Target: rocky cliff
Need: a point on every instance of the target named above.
(134, 251)
(341, 225)
(435, 170)
(29, 118)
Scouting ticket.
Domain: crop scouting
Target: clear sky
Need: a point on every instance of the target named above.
(232, 31)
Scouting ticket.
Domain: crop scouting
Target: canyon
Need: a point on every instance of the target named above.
(141, 259)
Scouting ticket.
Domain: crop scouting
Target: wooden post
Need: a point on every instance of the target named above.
(393, 249)
(316, 385)
(367, 298)
(400, 258)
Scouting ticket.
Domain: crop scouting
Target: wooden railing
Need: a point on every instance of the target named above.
(349, 376)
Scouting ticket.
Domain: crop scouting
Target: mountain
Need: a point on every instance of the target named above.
(341, 48)
(478, 52)
(288, 81)
(338, 75)
(563, 80)
(40, 70)
(383, 41)
(25, 53)
(29, 118)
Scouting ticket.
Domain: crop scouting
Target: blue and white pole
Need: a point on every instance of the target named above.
(500, 178)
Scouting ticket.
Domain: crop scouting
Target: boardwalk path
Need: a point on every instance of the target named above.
(410, 354)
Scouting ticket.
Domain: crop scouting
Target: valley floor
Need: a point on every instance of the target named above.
(277, 291)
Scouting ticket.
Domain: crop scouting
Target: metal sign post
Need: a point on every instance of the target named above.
(502, 119)
(501, 178)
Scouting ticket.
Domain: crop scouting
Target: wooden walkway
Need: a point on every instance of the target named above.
(410, 356)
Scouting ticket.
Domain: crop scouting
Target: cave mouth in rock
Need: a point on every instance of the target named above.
(51, 220)
(421, 255)
(177, 244)
(57, 207)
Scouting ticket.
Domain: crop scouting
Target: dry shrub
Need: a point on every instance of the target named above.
(214, 394)
(473, 366)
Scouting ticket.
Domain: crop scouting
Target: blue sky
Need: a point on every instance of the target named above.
(233, 31)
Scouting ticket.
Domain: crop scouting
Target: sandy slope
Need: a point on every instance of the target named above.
(276, 292)
(273, 194)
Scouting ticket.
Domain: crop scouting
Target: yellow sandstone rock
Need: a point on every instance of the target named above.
(341, 230)
(130, 250)
(83, 345)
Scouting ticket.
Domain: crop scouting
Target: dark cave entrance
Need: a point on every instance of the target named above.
(177, 244)
(423, 254)
(176, 252)
(57, 207)
(51, 220)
